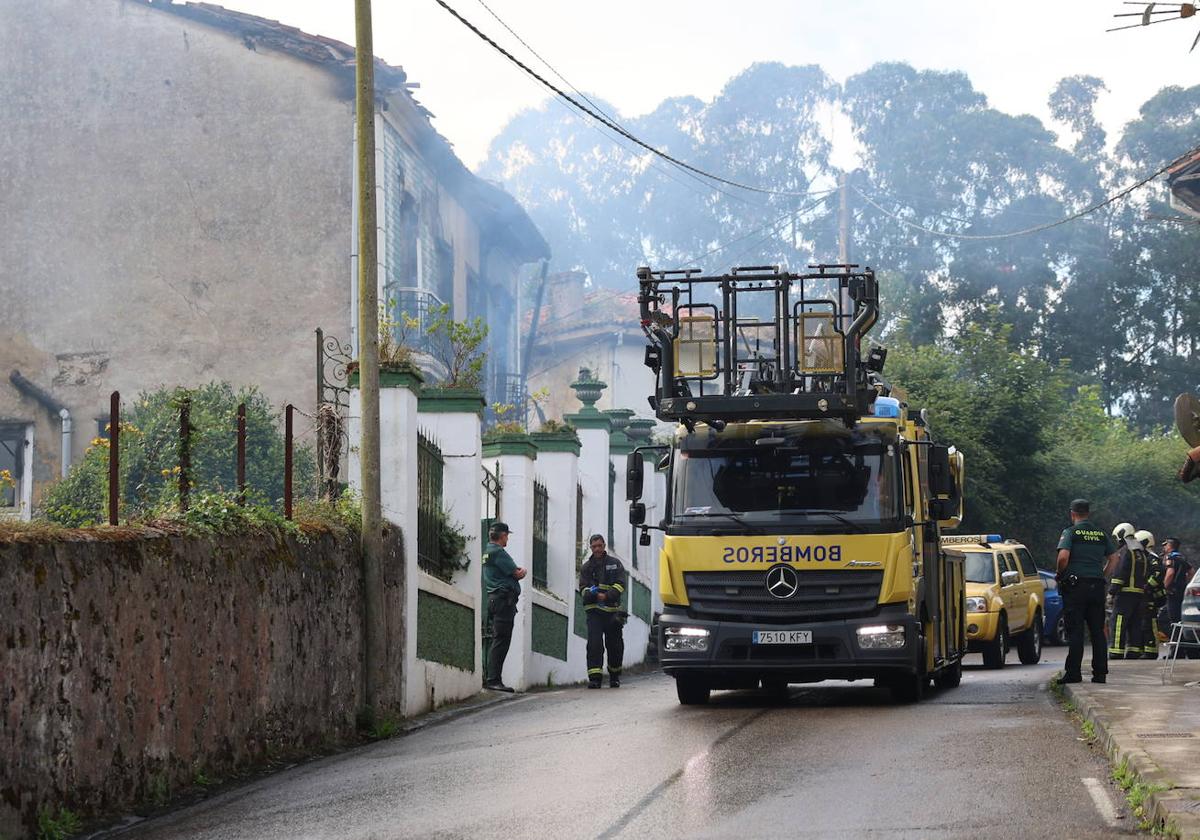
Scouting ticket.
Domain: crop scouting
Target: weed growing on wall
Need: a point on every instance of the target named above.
(57, 825)
(459, 346)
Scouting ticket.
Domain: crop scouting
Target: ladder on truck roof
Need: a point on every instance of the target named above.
(761, 344)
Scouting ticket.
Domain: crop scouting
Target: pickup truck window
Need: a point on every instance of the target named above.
(979, 567)
(1028, 567)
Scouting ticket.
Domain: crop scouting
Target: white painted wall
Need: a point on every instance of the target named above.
(516, 509)
(432, 684)
(559, 472)
(398, 496)
(457, 434)
(593, 476)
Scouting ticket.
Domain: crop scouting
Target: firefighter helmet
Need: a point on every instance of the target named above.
(1122, 531)
(1145, 538)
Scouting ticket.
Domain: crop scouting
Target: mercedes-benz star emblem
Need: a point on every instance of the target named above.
(782, 581)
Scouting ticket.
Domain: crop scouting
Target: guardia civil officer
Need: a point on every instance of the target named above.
(501, 578)
(602, 581)
(1086, 557)
(1175, 580)
(1128, 591)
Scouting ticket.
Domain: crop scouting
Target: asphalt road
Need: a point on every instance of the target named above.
(993, 758)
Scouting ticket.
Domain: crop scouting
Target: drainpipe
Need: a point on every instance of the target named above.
(65, 416)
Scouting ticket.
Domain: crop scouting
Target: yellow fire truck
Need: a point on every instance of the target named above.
(804, 498)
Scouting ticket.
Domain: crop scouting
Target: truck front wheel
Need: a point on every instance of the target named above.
(949, 677)
(691, 690)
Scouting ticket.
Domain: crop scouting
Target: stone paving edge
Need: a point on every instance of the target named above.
(1169, 807)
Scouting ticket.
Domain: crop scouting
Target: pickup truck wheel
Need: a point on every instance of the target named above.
(995, 650)
(949, 677)
(1060, 630)
(692, 691)
(1029, 643)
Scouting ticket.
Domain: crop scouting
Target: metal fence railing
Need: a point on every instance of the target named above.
(541, 504)
(580, 545)
(429, 506)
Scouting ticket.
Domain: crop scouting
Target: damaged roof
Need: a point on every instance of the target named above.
(1184, 180)
(257, 31)
(506, 217)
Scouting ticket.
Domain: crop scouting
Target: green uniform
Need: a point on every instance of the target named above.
(1089, 547)
(498, 568)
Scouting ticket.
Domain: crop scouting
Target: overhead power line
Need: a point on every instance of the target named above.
(774, 224)
(617, 141)
(599, 117)
(1099, 205)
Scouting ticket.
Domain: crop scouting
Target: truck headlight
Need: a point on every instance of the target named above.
(881, 637)
(693, 639)
(977, 604)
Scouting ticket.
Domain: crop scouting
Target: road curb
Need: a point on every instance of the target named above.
(1178, 809)
(476, 703)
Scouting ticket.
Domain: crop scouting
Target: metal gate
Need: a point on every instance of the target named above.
(333, 405)
(430, 467)
(541, 504)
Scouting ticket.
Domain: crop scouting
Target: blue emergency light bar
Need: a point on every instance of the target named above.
(886, 407)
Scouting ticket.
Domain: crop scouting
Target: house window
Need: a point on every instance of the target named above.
(15, 445)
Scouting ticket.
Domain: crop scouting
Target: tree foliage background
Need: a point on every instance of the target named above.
(1051, 359)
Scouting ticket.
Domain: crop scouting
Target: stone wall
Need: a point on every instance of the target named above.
(131, 665)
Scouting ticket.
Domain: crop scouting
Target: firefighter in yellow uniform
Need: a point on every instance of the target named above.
(602, 582)
(1128, 589)
(1154, 596)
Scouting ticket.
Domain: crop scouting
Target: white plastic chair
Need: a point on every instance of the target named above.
(1184, 634)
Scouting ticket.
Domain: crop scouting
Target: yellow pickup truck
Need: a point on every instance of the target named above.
(1005, 597)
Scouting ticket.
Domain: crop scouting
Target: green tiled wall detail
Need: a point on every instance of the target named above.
(580, 617)
(445, 631)
(641, 606)
(549, 633)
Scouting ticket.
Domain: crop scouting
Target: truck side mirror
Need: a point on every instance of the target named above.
(940, 509)
(634, 468)
(644, 538)
(941, 481)
(637, 513)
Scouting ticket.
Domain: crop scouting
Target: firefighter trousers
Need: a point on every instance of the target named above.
(1129, 612)
(604, 632)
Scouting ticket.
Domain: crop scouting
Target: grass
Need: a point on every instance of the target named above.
(57, 825)
(383, 728)
(1136, 794)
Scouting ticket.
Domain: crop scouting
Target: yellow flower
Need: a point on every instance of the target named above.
(166, 473)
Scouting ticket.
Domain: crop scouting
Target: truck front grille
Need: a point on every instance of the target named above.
(743, 596)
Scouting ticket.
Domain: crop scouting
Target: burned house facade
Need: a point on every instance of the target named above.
(178, 207)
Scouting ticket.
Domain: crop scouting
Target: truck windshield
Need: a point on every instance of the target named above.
(979, 567)
(805, 482)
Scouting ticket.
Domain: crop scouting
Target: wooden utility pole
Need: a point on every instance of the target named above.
(847, 305)
(368, 359)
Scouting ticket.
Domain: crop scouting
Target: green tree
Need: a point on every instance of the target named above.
(150, 456)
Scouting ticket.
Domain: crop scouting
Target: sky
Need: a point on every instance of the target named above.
(635, 53)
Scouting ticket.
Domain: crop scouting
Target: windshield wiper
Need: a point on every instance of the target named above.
(751, 529)
(858, 526)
